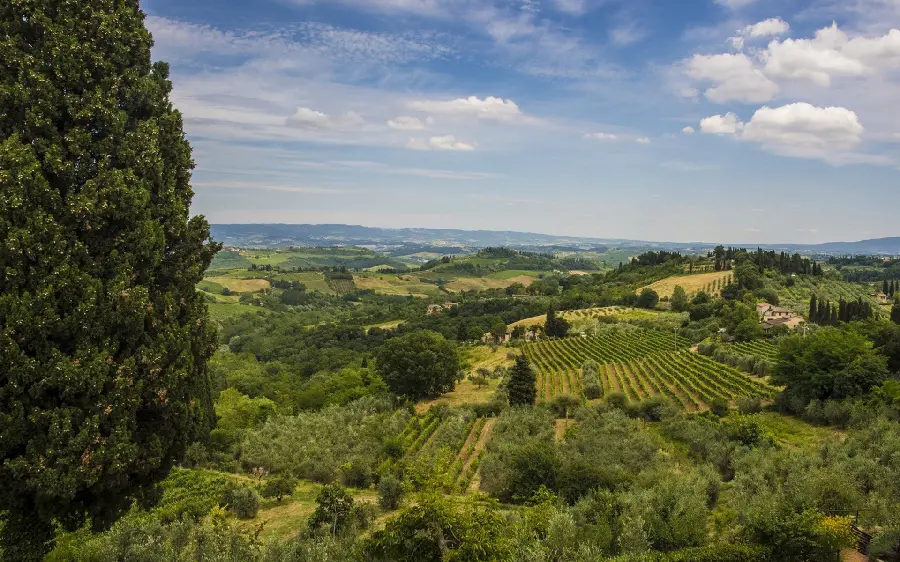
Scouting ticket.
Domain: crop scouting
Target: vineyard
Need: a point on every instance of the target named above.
(460, 434)
(640, 365)
(710, 283)
(797, 296)
(757, 348)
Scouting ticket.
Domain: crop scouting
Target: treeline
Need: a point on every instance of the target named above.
(825, 312)
(782, 262)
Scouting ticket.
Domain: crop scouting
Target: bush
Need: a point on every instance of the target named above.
(390, 492)
(747, 405)
(244, 502)
(278, 487)
(593, 391)
(719, 407)
(617, 400)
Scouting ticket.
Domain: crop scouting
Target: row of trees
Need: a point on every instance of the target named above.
(824, 312)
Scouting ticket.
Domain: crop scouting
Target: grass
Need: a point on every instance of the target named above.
(482, 283)
(789, 431)
(509, 274)
(285, 519)
(692, 284)
(236, 285)
(465, 394)
(386, 325)
(483, 356)
(219, 312)
(403, 285)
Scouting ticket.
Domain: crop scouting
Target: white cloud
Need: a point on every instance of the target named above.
(405, 123)
(306, 118)
(816, 60)
(601, 136)
(800, 130)
(688, 130)
(443, 143)
(728, 124)
(642, 140)
(771, 27)
(627, 34)
(487, 108)
(574, 7)
(734, 78)
(804, 130)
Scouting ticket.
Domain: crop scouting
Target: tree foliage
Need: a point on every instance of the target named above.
(556, 326)
(522, 385)
(647, 299)
(419, 365)
(103, 339)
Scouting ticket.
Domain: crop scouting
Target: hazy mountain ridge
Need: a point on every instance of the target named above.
(283, 235)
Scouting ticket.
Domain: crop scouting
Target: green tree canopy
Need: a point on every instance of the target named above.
(680, 302)
(104, 340)
(647, 299)
(555, 326)
(522, 386)
(831, 363)
(419, 365)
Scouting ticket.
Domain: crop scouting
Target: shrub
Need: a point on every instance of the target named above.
(334, 509)
(719, 407)
(749, 405)
(617, 400)
(593, 391)
(244, 502)
(390, 492)
(278, 487)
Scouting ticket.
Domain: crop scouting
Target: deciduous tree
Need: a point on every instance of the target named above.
(419, 365)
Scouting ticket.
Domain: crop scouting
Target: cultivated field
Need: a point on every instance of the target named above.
(712, 283)
(483, 283)
(756, 348)
(236, 285)
(640, 365)
(619, 312)
(404, 285)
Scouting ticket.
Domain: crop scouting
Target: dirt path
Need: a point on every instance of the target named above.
(473, 434)
(559, 431)
(475, 484)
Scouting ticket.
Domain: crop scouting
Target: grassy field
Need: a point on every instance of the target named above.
(483, 283)
(404, 285)
(221, 311)
(236, 285)
(510, 274)
(692, 284)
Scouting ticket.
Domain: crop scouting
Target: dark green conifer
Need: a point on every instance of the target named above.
(104, 340)
(522, 386)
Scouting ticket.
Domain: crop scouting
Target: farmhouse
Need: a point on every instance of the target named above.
(773, 316)
(881, 298)
(438, 308)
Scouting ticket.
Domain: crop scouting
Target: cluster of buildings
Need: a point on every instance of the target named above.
(773, 316)
(438, 308)
(881, 298)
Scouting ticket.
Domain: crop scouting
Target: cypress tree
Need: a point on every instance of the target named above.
(820, 313)
(104, 340)
(893, 288)
(895, 311)
(812, 308)
(842, 311)
(885, 288)
(834, 317)
(522, 386)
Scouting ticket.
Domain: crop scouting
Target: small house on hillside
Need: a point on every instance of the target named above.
(766, 310)
(438, 308)
(881, 298)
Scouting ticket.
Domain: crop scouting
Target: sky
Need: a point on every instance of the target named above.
(676, 120)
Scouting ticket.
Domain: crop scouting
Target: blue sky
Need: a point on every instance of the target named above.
(690, 120)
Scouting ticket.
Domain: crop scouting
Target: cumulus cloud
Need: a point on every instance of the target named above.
(642, 140)
(487, 108)
(799, 129)
(601, 136)
(771, 27)
(734, 78)
(688, 130)
(310, 119)
(728, 124)
(444, 143)
(406, 123)
(816, 60)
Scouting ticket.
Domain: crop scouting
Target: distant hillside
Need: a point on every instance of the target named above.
(453, 241)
